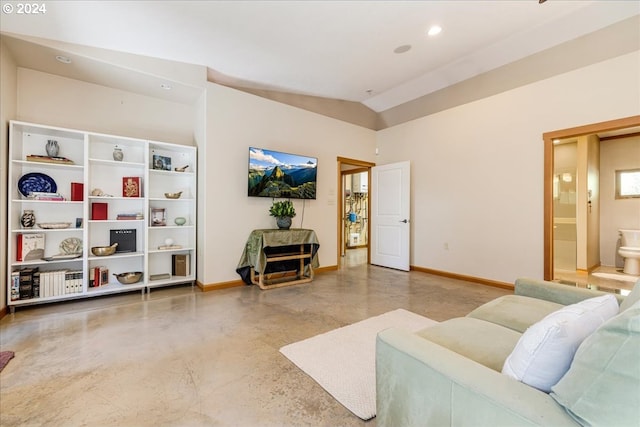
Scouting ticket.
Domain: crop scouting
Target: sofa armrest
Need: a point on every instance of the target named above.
(421, 383)
(555, 292)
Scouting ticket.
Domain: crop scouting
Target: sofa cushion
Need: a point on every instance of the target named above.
(514, 311)
(631, 299)
(484, 342)
(602, 387)
(545, 351)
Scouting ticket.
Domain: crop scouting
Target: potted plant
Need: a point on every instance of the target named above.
(283, 211)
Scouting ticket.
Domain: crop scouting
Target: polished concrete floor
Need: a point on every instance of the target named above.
(621, 284)
(180, 357)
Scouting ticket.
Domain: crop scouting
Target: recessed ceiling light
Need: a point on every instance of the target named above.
(434, 30)
(402, 49)
(165, 86)
(63, 59)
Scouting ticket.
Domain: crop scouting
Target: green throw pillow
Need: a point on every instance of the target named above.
(602, 387)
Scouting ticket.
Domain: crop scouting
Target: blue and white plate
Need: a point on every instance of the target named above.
(36, 181)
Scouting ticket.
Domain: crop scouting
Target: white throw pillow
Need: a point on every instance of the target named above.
(544, 352)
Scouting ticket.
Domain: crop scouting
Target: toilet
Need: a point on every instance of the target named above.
(630, 251)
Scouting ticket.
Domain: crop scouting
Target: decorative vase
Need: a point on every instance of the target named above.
(118, 155)
(180, 220)
(52, 148)
(284, 222)
(28, 219)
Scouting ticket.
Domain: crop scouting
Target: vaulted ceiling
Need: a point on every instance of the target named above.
(375, 54)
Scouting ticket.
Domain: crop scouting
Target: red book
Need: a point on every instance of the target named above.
(19, 248)
(131, 186)
(99, 211)
(96, 277)
(77, 191)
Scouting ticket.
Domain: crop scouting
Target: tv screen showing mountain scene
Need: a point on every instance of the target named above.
(276, 174)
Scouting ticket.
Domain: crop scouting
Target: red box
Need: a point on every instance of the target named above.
(99, 211)
(131, 186)
(77, 191)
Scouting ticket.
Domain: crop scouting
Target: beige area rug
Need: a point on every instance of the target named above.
(343, 361)
(617, 276)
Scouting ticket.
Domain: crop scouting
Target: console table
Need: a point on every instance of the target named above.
(273, 258)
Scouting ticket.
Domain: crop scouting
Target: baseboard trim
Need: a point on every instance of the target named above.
(487, 282)
(238, 283)
(325, 269)
(206, 287)
(3, 312)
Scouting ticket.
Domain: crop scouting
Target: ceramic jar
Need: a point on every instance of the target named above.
(28, 219)
(52, 148)
(118, 155)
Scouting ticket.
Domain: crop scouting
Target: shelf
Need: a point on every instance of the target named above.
(45, 230)
(95, 167)
(45, 165)
(165, 199)
(116, 255)
(65, 202)
(39, 262)
(116, 163)
(165, 251)
(174, 280)
(112, 287)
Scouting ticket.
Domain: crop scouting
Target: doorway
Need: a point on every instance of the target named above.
(354, 180)
(571, 215)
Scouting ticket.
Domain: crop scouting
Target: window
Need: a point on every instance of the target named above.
(627, 183)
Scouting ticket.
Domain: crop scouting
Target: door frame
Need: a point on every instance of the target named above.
(362, 166)
(548, 137)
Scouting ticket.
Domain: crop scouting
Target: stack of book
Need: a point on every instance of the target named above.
(130, 216)
(30, 283)
(98, 276)
(60, 282)
(37, 195)
(180, 265)
(29, 246)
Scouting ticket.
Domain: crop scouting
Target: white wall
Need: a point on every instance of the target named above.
(236, 121)
(58, 101)
(8, 85)
(477, 169)
(616, 154)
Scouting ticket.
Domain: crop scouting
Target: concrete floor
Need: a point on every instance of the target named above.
(180, 357)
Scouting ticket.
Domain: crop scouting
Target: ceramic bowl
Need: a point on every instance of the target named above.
(104, 250)
(173, 195)
(180, 220)
(129, 277)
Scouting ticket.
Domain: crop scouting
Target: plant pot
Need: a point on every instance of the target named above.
(284, 223)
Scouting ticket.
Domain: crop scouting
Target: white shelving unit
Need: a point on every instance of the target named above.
(102, 178)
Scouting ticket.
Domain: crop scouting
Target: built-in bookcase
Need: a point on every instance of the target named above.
(98, 191)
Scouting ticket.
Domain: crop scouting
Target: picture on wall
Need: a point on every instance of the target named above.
(283, 175)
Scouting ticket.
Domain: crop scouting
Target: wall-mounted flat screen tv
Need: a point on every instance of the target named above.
(284, 175)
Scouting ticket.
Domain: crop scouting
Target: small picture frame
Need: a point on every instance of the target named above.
(158, 217)
(161, 162)
(78, 222)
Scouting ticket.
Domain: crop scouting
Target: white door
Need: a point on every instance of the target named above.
(390, 215)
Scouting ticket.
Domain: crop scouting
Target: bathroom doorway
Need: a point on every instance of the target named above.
(353, 212)
(580, 222)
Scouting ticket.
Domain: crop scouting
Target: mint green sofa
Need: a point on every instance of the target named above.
(450, 374)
